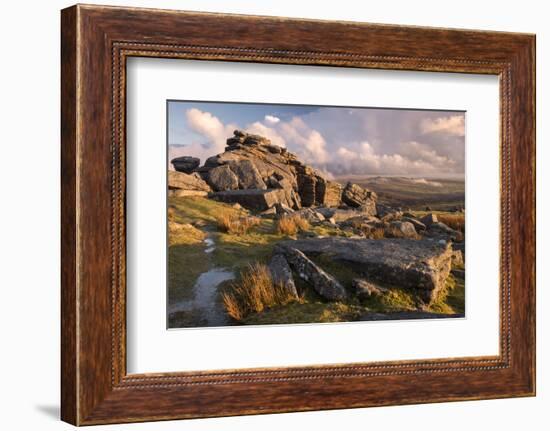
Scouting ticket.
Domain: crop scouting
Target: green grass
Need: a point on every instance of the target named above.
(314, 312)
(451, 300)
(192, 208)
(185, 263)
(187, 260)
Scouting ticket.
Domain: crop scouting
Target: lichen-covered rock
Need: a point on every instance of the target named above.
(222, 178)
(282, 274)
(185, 164)
(402, 229)
(247, 175)
(181, 181)
(356, 196)
(422, 265)
(324, 284)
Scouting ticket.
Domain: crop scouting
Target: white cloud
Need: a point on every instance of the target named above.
(452, 125)
(375, 142)
(308, 143)
(364, 159)
(259, 128)
(215, 134)
(271, 119)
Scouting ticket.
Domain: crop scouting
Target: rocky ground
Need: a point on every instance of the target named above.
(344, 256)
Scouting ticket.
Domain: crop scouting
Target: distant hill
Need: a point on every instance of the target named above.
(416, 193)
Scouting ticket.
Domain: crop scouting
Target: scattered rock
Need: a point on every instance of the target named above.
(186, 164)
(441, 230)
(387, 213)
(253, 199)
(283, 210)
(418, 225)
(282, 274)
(324, 284)
(365, 289)
(182, 181)
(311, 215)
(429, 219)
(222, 178)
(270, 212)
(422, 265)
(402, 229)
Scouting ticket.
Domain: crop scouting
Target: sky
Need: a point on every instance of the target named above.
(336, 140)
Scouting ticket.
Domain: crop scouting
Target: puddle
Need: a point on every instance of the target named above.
(210, 245)
(204, 302)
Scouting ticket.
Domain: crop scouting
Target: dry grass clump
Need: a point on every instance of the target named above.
(291, 225)
(232, 223)
(253, 292)
(454, 221)
(376, 233)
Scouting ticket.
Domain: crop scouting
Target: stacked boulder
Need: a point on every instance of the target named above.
(260, 175)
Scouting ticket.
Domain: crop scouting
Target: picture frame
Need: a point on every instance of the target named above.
(96, 41)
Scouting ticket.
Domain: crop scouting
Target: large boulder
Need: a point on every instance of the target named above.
(327, 193)
(185, 164)
(421, 265)
(247, 175)
(402, 229)
(181, 181)
(282, 274)
(222, 178)
(356, 196)
(324, 284)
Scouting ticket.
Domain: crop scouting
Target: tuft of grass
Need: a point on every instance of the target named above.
(454, 221)
(452, 297)
(291, 225)
(376, 233)
(231, 223)
(180, 232)
(253, 292)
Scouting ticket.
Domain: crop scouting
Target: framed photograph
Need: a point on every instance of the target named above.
(264, 215)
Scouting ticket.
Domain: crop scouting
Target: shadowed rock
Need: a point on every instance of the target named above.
(180, 181)
(356, 196)
(185, 164)
(403, 229)
(324, 284)
(223, 178)
(282, 274)
(422, 265)
(253, 199)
